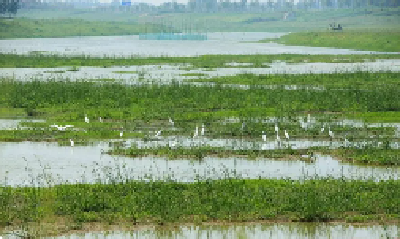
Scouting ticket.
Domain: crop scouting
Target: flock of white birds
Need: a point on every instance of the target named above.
(203, 129)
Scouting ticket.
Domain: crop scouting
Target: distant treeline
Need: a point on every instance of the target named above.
(9, 7)
(214, 5)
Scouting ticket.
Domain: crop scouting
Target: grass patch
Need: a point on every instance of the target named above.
(24, 28)
(127, 107)
(370, 156)
(126, 72)
(357, 40)
(199, 152)
(204, 61)
(233, 200)
(193, 74)
(54, 71)
(366, 80)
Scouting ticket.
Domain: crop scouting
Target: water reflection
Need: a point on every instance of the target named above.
(292, 230)
(30, 163)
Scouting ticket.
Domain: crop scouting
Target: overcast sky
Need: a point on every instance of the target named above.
(158, 2)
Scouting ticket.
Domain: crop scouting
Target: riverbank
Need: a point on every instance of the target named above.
(386, 41)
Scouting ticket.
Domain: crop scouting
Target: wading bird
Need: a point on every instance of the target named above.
(121, 133)
(331, 134)
(264, 136)
(101, 120)
(170, 121)
(203, 129)
(158, 133)
(72, 142)
(196, 132)
(286, 135)
(86, 119)
(323, 128)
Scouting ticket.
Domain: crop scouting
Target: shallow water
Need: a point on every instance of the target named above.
(218, 43)
(292, 230)
(169, 73)
(44, 164)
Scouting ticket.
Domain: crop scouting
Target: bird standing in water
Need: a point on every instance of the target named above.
(264, 136)
(72, 142)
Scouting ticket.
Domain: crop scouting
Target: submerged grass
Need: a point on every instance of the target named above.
(233, 200)
(205, 61)
(199, 152)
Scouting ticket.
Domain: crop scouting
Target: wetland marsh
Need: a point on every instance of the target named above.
(180, 138)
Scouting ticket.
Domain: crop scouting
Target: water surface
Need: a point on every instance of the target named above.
(42, 164)
(292, 230)
(219, 43)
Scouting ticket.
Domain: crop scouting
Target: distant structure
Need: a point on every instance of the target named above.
(333, 27)
(186, 33)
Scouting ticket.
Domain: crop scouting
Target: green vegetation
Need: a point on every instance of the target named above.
(227, 200)
(383, 156)
(194, 74)
(127, 107)
(39, 60)
(24, 28)
(126, 72)
(388, 41)
(199, 152)
(361, 80)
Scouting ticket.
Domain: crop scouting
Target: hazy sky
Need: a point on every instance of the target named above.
(158, 2)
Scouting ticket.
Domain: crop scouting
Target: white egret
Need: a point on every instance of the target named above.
(277, 137)
(308, 118)
(202, 129)
(69, 126)
(171, 121)
(331, 134)
(264, 136)
(54, 126)
(121, 133)
(158, 133)
(60, 128)
(286, 135)
(346, 142)
(323, 128)
(86, 119)
(276, 128)
(196, 132)
(101, 120)
(72, 142)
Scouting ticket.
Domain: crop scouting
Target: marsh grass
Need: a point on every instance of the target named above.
(24, 28)
(372, 156)
(205, 61)
(193, 74)
(225, 200)
(199, 152)
(387, 41)
(359, 79)
(124, 107)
